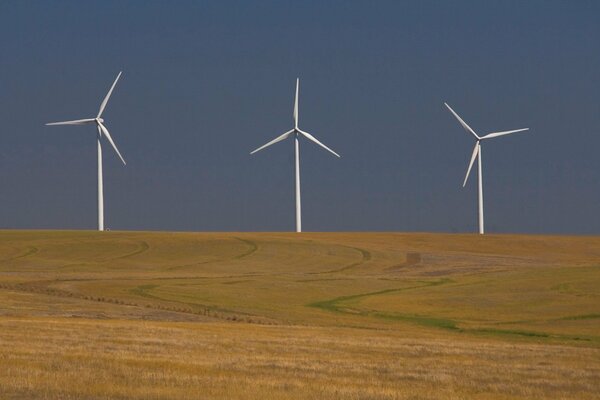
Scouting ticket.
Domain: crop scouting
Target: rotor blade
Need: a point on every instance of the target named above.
(475, 151)
(495, 134)
(74, 122)
(103, 105)
(463, 123)
(311, 137)
(277, 139)
(111, 141)
(296, 102)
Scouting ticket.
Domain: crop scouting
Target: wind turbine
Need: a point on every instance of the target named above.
(296, 132)
(101, 131)
(477, 153)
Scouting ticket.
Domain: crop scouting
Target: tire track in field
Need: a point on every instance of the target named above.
(143, 247)
(203, 309)
(43, 288)
(335, 305)
(31, 250)
(365, 256)
(253, 248)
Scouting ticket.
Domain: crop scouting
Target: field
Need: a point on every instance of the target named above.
(140, 315)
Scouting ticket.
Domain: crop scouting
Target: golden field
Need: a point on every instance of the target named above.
(141, 315)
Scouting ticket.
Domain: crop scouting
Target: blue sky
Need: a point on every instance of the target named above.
(204, 83)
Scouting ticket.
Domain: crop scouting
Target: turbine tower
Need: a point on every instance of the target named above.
(102, 131)
(296, 132)
(477, 153)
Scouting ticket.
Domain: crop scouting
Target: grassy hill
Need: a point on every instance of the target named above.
(294, 316)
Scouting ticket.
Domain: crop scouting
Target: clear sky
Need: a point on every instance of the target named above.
(204, 83)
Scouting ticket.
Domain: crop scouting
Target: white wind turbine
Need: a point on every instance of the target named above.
(296, 132)
(101, 131)
(477, 153)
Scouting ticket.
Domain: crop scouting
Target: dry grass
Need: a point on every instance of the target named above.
(286, 316)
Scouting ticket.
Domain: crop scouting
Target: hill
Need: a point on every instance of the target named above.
(311, 315)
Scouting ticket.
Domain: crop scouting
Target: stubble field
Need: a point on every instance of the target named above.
(293, 316)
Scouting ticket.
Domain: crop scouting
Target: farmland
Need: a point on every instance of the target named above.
(292, 316)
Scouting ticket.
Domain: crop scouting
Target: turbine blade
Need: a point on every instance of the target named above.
(463, 123)
(103, 105)
(111, 142)
(74, 122)
(296, 102)
(311, 137)
(277, 139)
(475, 151)
(495, 134)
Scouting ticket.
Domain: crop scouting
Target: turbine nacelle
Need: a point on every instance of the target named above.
(99, 121)
(479, 139)
(296, 131)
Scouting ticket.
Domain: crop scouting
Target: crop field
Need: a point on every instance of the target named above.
(155, 315)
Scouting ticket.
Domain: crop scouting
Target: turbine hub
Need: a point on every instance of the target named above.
(100, 120)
